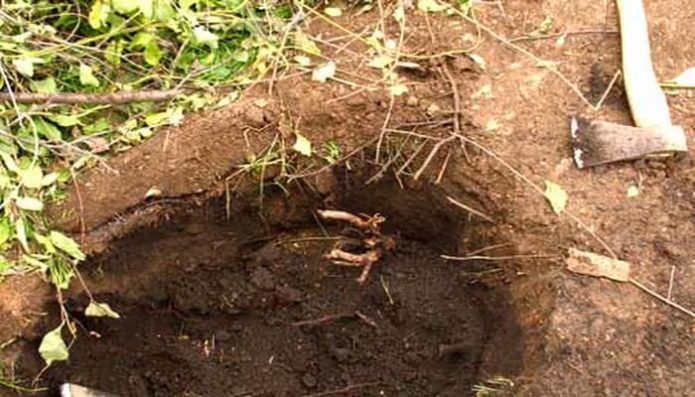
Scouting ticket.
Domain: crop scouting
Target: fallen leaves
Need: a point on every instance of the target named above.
(324, 72)
(302, 145)
(596, 265)
(556, 196)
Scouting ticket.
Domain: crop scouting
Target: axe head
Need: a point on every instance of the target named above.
(600, 142)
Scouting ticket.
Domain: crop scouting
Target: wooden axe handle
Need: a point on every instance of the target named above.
(647, 100)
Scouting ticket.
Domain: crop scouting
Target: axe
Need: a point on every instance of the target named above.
(597, 142)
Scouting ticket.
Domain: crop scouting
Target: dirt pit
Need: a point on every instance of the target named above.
(247, 306)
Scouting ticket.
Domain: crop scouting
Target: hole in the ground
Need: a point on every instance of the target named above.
(210, 305)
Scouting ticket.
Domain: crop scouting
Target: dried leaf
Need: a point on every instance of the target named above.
(302, 60)
(304, 43)
(632, 191)
(398, 89)
(97, 309)
(153, 192)
(333, 11)
(324, 72)
(399, 13)
(380, 62)
(492, 125)
(595, 265)
(431, 6)
(556, 196)
(480, 61)
(302, 145)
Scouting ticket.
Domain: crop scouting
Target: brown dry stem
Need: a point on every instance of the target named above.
(372, 239)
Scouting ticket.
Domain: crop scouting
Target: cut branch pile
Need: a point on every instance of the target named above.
(373, 244)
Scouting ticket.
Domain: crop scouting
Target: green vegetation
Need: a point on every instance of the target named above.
(205, 49)
(131, 68)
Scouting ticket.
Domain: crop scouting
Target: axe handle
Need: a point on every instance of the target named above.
(647, 101)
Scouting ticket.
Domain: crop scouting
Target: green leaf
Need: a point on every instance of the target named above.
(45, 86)
(46, 243)
(114, 51)
(25, 65)
(49, 179)
(163, 12)
(21, 233)
(87, 76)
(5, 265)
(67, 245)
(96, 309)
(32, 177)
(33, 262)
(146, 8)
(556, 196)
(124, 6)
(98, 14)
(47, 130)
(53, 348)
(302, 145)
(9, 162)
(153, 54)
(29, 204)
(154, 119)
(5, 231)
(203, 36)
(65, 121)
(141, 40)
(100, 125)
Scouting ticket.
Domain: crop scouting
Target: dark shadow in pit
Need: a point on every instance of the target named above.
(210, 306)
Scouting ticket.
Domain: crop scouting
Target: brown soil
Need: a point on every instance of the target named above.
(219, 317)
(171, 265)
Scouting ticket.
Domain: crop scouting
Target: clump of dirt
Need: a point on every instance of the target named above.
(217, 308)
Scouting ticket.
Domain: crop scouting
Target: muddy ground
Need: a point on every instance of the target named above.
(209, 300)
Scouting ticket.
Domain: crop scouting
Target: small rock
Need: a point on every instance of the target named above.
(412, 101)
(309, 380)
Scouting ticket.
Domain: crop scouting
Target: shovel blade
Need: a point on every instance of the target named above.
(601, 142)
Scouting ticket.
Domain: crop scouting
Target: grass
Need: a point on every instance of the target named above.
(10, 381)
